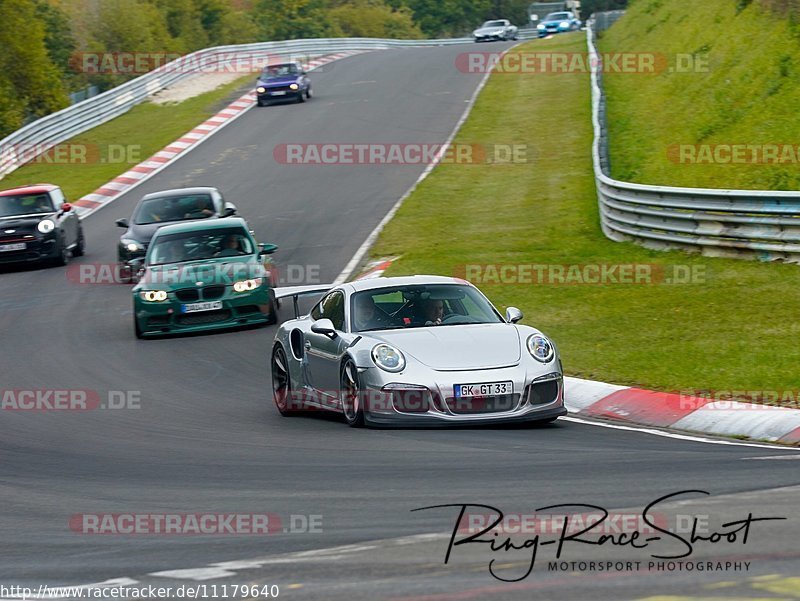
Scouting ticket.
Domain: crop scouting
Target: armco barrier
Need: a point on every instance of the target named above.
(761, 224)
(58, 127)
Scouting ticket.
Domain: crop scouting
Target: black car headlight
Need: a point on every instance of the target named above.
(46, 226)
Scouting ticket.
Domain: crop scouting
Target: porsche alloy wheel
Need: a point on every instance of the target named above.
(352, 406)
(281, 382)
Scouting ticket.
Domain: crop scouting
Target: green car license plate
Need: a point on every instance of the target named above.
(197, 307)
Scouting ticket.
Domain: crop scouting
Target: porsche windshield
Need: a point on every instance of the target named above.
(417, 306)
(25, 204)
(174, 208)
(200, 245)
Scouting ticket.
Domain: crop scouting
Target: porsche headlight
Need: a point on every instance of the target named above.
(293, 86)
(261, 89)
(247, 285)
(46, 226)
(541, 348)
(132, 245)
(153, 296)
(388, 358)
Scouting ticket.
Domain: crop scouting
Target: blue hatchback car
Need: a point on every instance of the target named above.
(280, 82)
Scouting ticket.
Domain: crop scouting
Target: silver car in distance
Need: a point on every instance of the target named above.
(414, 351)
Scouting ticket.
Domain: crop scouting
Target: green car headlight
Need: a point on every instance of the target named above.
(247, 285)
(153, 296)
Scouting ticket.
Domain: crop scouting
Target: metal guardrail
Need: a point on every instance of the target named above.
(760, 224)
(42, 134)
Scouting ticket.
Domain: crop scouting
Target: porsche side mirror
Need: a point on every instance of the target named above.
(323, 326)
(267, 249)
(122, 223)
(513, 315)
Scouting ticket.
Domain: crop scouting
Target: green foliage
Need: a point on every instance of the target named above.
(30, 84)
(374, 19)
(743, 90)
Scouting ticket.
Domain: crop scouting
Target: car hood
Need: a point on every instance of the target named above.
(223, 270)
(458, 347)
(22, 223)
(556, 22)
(145, 233)
(489, 30)
(278, 81)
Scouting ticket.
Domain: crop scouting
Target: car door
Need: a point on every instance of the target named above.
(324, 352)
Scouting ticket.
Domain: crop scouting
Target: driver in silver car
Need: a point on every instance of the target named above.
(429, 313)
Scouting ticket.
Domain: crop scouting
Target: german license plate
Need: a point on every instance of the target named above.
(197, 307)
(6, 248)
(279, 93)
(464, 391)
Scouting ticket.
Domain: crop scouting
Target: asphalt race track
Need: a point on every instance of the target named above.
(208, 439)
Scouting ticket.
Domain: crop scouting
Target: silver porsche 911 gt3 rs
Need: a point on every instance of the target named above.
(418, 350)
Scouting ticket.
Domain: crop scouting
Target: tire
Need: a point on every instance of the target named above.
(136, 329)
(63, 254)
(260, 102)
(352, 406)
(273, 313)
(125, 273)
(308, 93)
(281, 382)
(80, 246)
(301, 97)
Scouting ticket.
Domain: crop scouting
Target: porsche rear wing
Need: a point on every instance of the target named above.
(297, 291)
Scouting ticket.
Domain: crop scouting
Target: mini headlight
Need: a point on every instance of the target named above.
(293, 86)
(388, 358)
(46, 226)
(153, 296)
(247, 285)
(261, 89)
(541, 348)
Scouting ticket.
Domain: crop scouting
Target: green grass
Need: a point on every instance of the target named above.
(736, 330)
(146, 128)
(748, 94)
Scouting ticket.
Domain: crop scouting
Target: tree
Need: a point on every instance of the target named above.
(294, 19)
(30, 84)
(375, 19)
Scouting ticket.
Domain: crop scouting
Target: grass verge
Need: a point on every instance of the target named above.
(732, 80)
(141, 132)
(733, 327)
